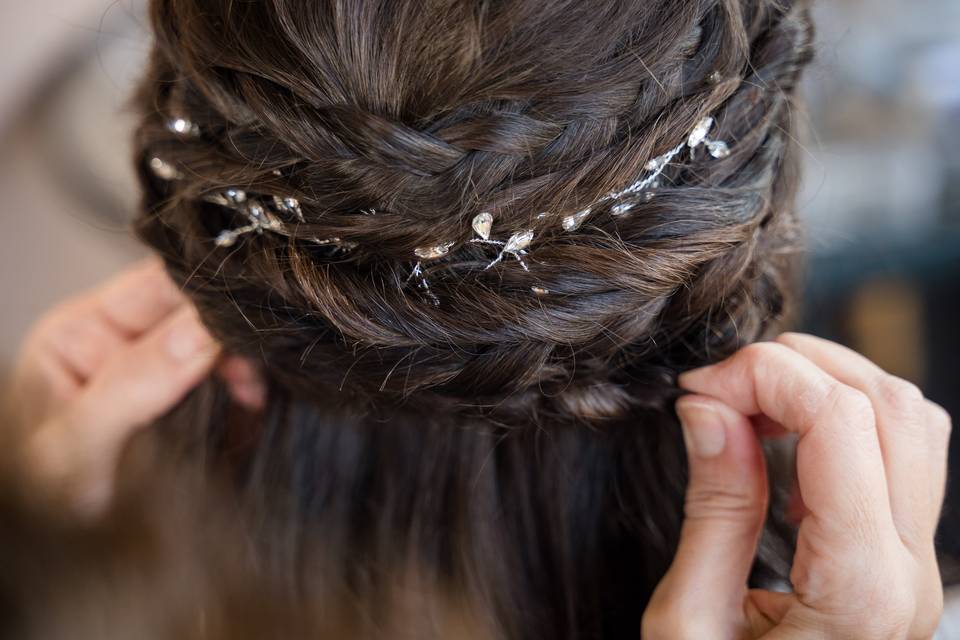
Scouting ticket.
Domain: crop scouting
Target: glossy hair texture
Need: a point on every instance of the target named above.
(519, 450)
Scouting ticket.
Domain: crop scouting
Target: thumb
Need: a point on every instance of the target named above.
(702, 595)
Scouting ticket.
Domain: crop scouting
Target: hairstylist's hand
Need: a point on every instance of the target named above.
(871, 464)
(96, 369)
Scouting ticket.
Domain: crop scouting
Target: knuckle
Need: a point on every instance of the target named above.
(716, 502)
(852, 404)
(762, 353)
(900, 395)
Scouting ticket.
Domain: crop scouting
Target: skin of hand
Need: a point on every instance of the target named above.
(98, 368)
(871, 466)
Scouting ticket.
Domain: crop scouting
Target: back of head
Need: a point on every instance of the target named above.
(471, 347)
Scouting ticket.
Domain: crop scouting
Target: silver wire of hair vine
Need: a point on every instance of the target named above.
(517, 245)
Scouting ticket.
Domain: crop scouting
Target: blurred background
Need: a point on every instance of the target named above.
(881, 199)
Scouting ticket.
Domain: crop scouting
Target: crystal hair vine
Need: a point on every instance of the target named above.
(260, 217)
(516, 245)
(271, 213)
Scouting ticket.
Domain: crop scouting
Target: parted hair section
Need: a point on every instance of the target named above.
(379, 130)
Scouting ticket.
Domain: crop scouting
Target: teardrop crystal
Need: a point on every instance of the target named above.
(433, 252)
(257, 214)
(699, 133)
(164, 170)
(482, 224)
(518, 242)
(573, 222)
(226, 239)
(235, 196)
(289, 205)
(718, 149)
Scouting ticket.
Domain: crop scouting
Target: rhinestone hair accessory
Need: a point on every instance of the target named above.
(655, 168)
(183, 127)
(270, 213)
(164, 170)
(282, 214)
(261, 218)
(517, 244)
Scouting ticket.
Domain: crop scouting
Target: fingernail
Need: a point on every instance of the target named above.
(703, 429)
(187, 339)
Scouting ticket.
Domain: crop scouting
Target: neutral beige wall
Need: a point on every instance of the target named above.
(50, 244)
(33, 34)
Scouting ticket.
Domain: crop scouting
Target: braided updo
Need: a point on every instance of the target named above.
(509, 432)
(394, 123)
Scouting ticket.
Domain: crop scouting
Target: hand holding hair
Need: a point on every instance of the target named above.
(871, 464)
(96, 369)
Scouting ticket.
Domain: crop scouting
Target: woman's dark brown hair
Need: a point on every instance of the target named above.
(517, 453)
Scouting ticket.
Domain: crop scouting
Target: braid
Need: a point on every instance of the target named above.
(508, 131)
